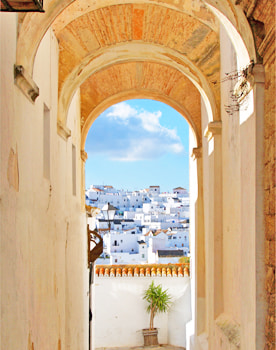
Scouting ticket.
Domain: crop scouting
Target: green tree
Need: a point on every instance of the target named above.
(158, 301)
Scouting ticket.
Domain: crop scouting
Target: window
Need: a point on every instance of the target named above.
(74, 170)
(116, 260)
(46, 143)
(121, 241)
(174, 237)
(143, 256)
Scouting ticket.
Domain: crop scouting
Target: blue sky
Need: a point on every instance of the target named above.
(136, 144)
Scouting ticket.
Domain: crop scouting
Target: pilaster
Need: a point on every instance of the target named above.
(252, 219)
(214, 236)
(84, 157)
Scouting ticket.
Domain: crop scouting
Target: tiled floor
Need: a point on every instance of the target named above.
(153, 347)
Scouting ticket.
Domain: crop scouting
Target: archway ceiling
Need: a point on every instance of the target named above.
(83, 33)
(138, 78)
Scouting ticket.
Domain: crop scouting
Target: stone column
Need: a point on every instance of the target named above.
(214, 253)
(199, 232)
(84, 157)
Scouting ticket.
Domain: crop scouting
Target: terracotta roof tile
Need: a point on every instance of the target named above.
(147, 270)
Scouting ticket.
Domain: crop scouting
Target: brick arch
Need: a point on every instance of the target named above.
(136, 94)
(33, 26)
(93, 35)
(123, 56)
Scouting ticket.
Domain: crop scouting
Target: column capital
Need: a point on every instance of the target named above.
(212, 129)
(258, 73)
(84, 155)
(196, 153)
(63, 131)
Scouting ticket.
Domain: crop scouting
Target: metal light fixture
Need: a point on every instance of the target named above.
(22, 6)
(109, 213)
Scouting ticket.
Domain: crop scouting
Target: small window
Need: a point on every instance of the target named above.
(116, 260)
(143, 256)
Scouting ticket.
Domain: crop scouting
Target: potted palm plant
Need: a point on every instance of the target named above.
(158, 301)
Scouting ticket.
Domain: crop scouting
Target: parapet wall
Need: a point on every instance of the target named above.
(119, 311)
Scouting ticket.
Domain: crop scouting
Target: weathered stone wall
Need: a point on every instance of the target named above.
(265, 12)
(270, 191)
(262, 16)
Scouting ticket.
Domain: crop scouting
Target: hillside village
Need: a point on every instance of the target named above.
(148, 226)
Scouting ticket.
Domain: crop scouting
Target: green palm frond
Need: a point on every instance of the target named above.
(158, 301)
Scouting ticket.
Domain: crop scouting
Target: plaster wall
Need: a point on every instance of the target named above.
(44, 282)
(119, 311)
(231, 185)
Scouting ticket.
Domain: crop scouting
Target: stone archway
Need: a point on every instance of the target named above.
(106, 55)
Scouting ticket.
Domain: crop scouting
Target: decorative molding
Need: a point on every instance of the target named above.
(25, 83)
(84, 155)
(196, 153)
(63, 131)
(212, 129)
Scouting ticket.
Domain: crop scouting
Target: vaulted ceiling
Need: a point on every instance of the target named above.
(137, 49)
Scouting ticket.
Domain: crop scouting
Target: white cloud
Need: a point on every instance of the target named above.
(128, 134)
(121, 111)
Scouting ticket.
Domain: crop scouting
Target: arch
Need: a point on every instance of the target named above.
(35, 25)
(245, 53)
(128, 52)
(134, 94)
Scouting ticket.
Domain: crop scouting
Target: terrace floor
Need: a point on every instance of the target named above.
(152, 347)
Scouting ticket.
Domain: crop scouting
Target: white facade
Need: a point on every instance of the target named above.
(124, 315)
(121, 242)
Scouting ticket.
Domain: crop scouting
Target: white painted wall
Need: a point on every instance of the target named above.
(44, 279)
(119, 311)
